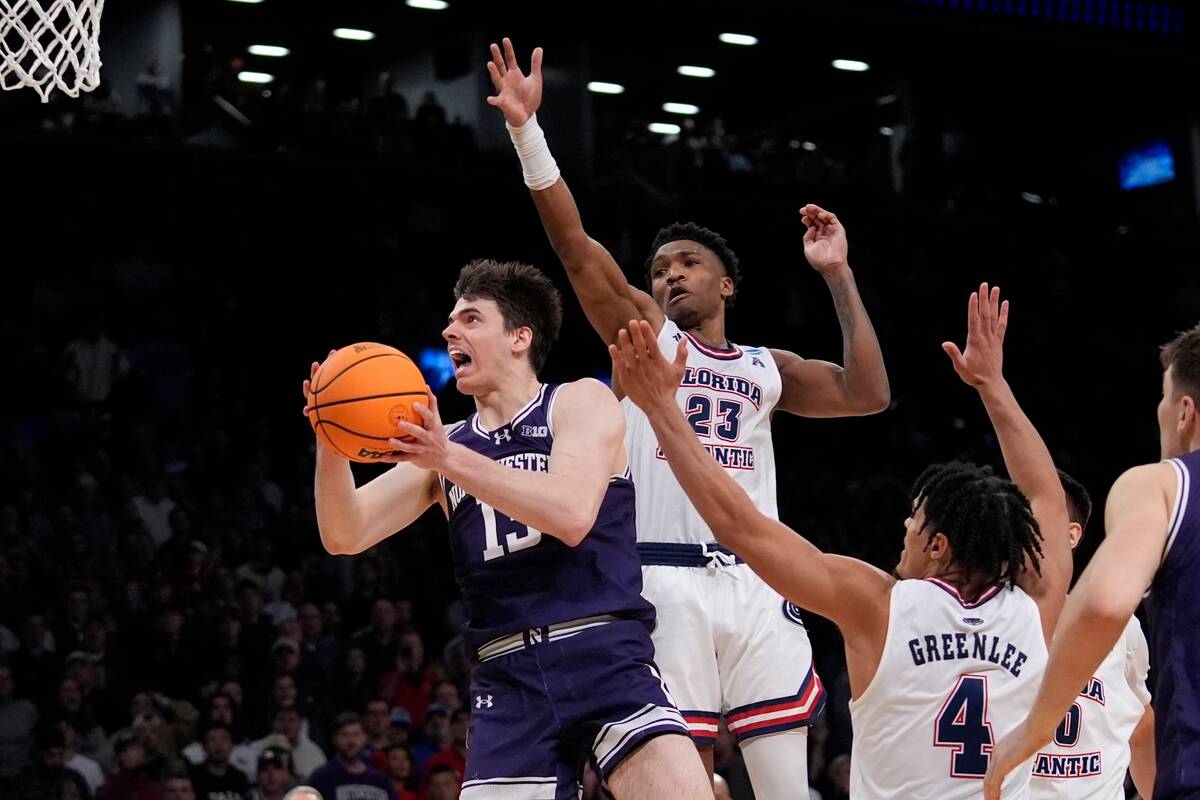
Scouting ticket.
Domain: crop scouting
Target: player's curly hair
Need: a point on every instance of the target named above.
(527, 299)
(714, 241)
(986, 519)
(1182, 356)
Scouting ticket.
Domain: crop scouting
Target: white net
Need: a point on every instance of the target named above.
(50, 44)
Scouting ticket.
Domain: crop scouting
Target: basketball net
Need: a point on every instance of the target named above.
(50, 44)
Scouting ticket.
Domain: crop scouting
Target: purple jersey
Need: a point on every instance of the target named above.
(1174, 615)
(514, 577)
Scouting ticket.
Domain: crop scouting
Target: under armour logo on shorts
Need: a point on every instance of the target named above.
(483, 701)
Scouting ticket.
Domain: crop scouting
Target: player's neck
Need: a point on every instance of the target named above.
(968, 587)
(711, 332)
(499, 405)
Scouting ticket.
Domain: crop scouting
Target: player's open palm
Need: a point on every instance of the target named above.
(517, 95)
(825, 244)
(646, 377)
(987, 319)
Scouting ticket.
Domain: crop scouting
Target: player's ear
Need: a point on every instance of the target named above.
(939, 547)
(522, 339)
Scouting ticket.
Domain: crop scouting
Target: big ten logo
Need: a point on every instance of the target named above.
(535, 431)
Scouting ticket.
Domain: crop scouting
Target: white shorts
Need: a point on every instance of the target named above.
(726, 643)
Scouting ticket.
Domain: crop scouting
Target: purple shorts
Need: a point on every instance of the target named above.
(545, 701)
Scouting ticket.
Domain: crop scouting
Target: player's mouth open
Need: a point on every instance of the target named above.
(675, 293)
(459, 359)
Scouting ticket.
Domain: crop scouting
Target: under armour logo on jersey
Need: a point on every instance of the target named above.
(483, 701)
(677, 336)
(502, 436)
(756, 361)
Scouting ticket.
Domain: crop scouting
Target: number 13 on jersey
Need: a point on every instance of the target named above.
(521, 538)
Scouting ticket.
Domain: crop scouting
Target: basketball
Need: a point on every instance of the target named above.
(359, 394)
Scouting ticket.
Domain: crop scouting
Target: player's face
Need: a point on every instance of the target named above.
(914, 558)
(688, 282)
(478, 344)
(1175, 431)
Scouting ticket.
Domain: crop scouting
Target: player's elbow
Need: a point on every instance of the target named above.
(338, 543)
(576, 526)
(878, 401)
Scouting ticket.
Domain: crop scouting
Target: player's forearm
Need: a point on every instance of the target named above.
(1086, 633)
(338, 517)
(720, 501)
(1025, 454)
(563, 225)
(1142, 766)
(555, 504)
(862, 360)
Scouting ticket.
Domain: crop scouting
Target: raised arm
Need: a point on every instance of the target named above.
(353, 519)
(1025, 454)
(589, 432)
(819, 388)
(1136, 517)
(852, 593)
(608, 299)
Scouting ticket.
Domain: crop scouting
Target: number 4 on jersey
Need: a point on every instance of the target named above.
(963, 726)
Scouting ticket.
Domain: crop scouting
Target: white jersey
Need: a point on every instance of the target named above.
(727, 397)
(954, 678)
(1090, 751)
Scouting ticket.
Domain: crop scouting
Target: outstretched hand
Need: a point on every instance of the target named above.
(987, 320)
(825, 244)
(517, 95)
(648, 379)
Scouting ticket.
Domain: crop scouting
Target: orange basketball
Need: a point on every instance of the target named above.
(359, 394)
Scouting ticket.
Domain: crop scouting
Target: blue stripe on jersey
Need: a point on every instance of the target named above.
(514, 577)
(1173, 606)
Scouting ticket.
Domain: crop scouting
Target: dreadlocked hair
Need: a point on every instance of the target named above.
(986, 519)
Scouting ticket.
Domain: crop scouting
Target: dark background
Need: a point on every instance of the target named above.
(223, 235)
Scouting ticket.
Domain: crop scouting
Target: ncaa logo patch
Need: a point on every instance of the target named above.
(791, 612)
(973, 620)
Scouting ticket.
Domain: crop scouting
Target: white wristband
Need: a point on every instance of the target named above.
(537, 165)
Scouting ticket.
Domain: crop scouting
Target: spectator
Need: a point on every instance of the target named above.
(399, 726)
(286, 656)
(221, 708)
(430, 113)
(48, 778)
(274, 776)
(216, 778)
(261, 569)
(378, 641)
(154, 508)
(437, 736)
(444, 783)
(837, 778)
(129, 781)
(87, 767)
(18, 719)
(455, 754)
(376, 720)
(93, 363)
(446, 693)
(354, 687)
(319, 649)
(178, 786)
(68, 634)
(286, 732)
(410, 684)
(396, 762)
(347, 775)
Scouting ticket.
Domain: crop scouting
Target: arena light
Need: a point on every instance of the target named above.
(428, 5)
(247, 2)
(681, 108)
(696, 72)
(353, 34)
(743, 39)
(1030, 197)
(602, 87)
(247, 76)
(886, 131)
(268, 50)
(809, 146)
(850, 65)
(665, 128)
